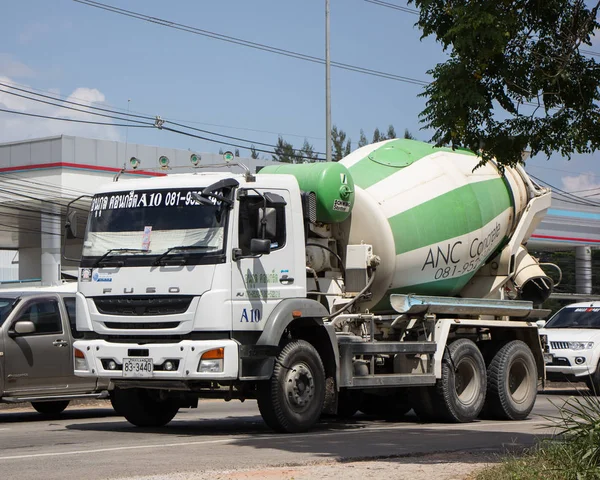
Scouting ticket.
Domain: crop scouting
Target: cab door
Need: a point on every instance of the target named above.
(37, 362)
(260, 282)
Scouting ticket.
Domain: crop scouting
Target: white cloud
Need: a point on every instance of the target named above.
(20, 127)
(585, 181)
(13, 68)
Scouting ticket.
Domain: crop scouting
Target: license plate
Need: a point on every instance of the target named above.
(548, 358)
(137, 367)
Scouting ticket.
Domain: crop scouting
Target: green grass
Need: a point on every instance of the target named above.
(573, 454)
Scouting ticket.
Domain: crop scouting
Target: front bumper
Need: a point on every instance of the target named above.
(186, 355)
(566, 362)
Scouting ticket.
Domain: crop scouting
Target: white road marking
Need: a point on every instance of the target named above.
(272, 437)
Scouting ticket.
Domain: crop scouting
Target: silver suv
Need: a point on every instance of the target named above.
(37, 330)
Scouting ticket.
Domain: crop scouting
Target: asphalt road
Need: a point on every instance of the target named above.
(94, 443)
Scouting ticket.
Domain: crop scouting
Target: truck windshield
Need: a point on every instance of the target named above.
(144, 224)
(580, 317)
(5, 308)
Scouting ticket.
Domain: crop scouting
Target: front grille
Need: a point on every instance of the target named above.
(143, 306)
(141, 326)
(559, 345)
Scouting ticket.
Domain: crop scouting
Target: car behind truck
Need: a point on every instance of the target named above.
(37, 330)
(396, 278)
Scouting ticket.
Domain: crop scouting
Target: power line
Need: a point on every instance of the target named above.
(229, 137)
(590, 52)
(15, 112)
(71, 108)
(580, 200)
(122, 111)
(393, 6)
(586, 190)
(168, 129)
(588, 174)
(247, 43)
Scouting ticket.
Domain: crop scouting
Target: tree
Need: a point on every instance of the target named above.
(517, 77)
(284, 152)
(307, 153)
(253, 152)
(341, 146)
(377, 137)
(362, 141)
(391, 133)
(408, 135)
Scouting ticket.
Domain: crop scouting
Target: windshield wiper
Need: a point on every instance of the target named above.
(181, 247)
(111, 252)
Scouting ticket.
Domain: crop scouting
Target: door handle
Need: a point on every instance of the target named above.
(60, 343)
(286, 280)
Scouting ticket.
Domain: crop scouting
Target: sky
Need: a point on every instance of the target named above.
(94, 57)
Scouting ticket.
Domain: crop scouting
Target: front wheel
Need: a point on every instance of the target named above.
(292, 400)
(50, 408)
(144, 408)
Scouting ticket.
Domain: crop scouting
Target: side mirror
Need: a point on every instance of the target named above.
(541, 323)
(24, 327)
(260, 246)
(71, 224)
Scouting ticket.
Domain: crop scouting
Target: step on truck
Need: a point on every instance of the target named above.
(397, 278)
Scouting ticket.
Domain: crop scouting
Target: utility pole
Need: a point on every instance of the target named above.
(327, 86)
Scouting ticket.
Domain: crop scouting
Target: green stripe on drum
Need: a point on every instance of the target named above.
(450, 215)
(390, 158)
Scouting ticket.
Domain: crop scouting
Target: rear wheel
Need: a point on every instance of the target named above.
(50, 408)
(459, 395)
(292, 400)
(144, 408)
(512, 382)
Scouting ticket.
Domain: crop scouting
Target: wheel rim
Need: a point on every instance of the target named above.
(518, 385)
(467, 381)
(299, 386)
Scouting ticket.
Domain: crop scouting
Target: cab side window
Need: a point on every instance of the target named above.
(70, 306)
(252, 224)
(44, 314)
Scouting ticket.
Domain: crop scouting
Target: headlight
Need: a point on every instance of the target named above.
(581, 345)
(212, 361)
(80, 361)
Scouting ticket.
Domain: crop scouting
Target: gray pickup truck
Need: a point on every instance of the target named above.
(37, 330)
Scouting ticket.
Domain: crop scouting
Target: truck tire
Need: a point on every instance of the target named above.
(292, 400)
(593, 381)
(144, 408)
(50, 408)
(460, 393)
(512, 382)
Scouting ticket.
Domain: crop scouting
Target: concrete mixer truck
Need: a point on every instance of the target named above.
(397, 278)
